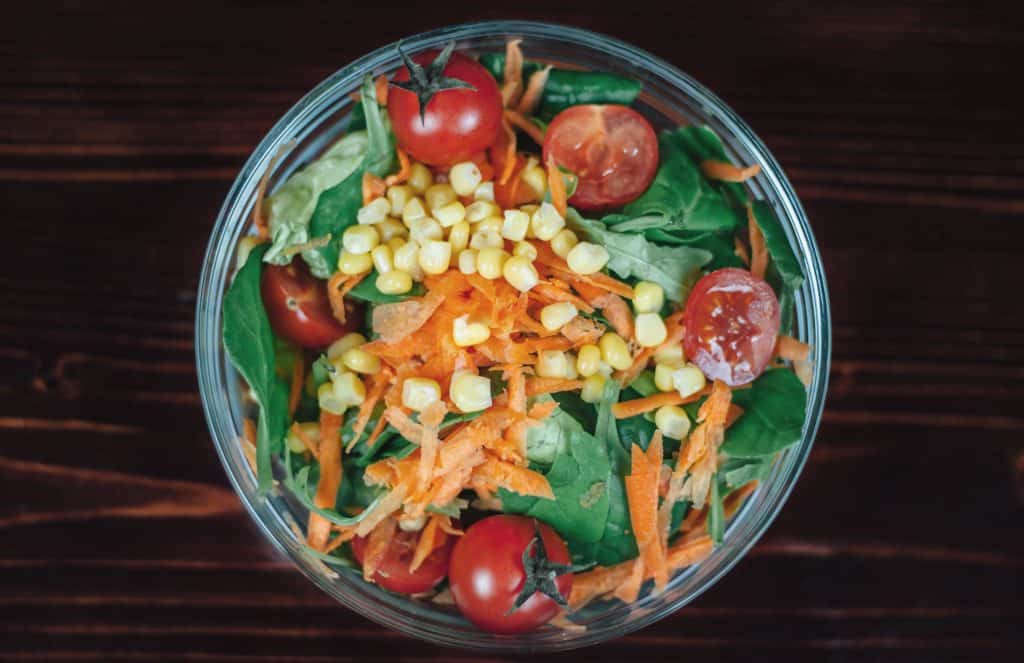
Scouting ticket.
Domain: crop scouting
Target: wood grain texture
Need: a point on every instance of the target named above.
(121, 128)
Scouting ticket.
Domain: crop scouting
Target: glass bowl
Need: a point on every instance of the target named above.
(669, 98)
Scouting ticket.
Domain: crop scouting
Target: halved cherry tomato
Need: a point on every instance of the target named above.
(393, 572)
(298, 308)
(612, 149)
(732, 323)
(487, 574)
(457, 123)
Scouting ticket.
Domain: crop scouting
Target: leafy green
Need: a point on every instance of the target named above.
(681, 194)
(366, 290)
(337, 206)
(784, 273)
(700, 144)
(775, 407)
(300, 487)
(580, 410)
(605, 429)
(719, 245)
(716, 512)
(566, 87)
(635, 256)
(644, 385)
(578, 477)
(545, 443)
(736, 472)
(291, 207)
(249, 343)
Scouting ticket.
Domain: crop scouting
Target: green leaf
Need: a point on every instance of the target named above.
(566, 87)
(634, 256)
(617, 543)
(336, 207)
(644, 384)
(774, 410)
(779, 250)
(681, 194)
(737, 472)
(700, 144)
(546, 443)
(583, 412)
(716, 513)
(250, 345)
(300, 487)
(636, 430)
(578, 478)
(605, 429)
(366, 290)
(719, 245)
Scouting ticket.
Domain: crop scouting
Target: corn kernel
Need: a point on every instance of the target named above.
(547, 222)
(328, 400)
(571, 372)
(354, 263)
(420, 177)
(361, 361)
(311, 430)
(450, 214)
(672, 421)
(414, 209)
(360, 239)
(487, 239)
(593, 388)
(536, 178)
(605, 369)
(529, 208)
(466, 333)
(383, 259)
(490, 261)
(350, 340)
(514, 225)
(587, 258)
(458, 236)
(425, 229)
(491, 224)
(407, 259)
(588, 361)
(520, 273)
(395, 282)
(470, 393)
(374, 211)
(396, 243)
(663, 374)
(465, 177)
(526, 250)
(648, 297)
(615, 351)
(467, 261)
(439, 195)
(484, 191)
(419, 393)
(563, 242)
(480, 210)
(552, 364)
(650, 330)
(688, 380)
(390, 228)
(435, 256)
(398, 195)
(555, 316)
(673, 354)
(415, 524)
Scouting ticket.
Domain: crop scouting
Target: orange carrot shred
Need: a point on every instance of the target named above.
(504, 152)
(538, 386)
(790, 348)
(311, 445)
(376, 432)
(512, 79)
(396, 322)
(556, 185)
(542, 410)
(517, 479)
(334, 296)
(426, 543)
(378, 384)
(735, 412)
(741, 251)
(318, 527)
(404, 169)
(377, 546)
(758, 250)
(516, 388)
(626, 409)
(381, 88)
(734, 500)
(642, 498)
(556, 294)
(534, 90)
(518, 120)
(373, 187)
(431, 418)
(727, 172)
(298, 378)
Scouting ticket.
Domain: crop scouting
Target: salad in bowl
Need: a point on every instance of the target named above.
(509, 351)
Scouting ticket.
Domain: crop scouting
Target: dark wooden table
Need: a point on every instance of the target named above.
(121, 128)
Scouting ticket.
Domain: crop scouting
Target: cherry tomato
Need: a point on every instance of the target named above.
(487, 574)
(732, 322)
(393, 572)
(457, 123)
(298, 308)
(612, 149)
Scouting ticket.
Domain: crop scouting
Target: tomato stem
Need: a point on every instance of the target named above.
(425, 83)
(541, 574)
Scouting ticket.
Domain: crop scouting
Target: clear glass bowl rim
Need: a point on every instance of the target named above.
(214, 379)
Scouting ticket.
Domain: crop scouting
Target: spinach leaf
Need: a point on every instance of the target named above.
(566, 87)
(716, 513)
(547, 442)
(719, 245)
(366, 290)
(644, 385)
(701, 144)
(580, 410)
(636, 430)
(605, 429)
(300, 487)
(635, 256)
(578, 478)
(337, 206)
(249, 343)
(681, 193)
(775, 407)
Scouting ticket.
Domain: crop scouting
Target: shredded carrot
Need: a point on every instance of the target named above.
(542, 410)
(338, 286)
(758, 250)
(445, 523)
(534, 90)
(318, 528)
(629, 590)
(404, 170)
(512, 80)
(511, 477)
(516, 388)
(556, 185)
(312, 445)
(402, 423)
(503, 153)
(518, 120)
(581, 331)
(790, 348)
(298, 378)
(741, 251)
(727, 172)
(377, 547)
(553, 293)
(538, 386)
(735, 412)
(426, 543)
(344, 535)
(686, 553)
(381, 88)
(397, 321)
(734, 500)
(378, 384)
(640, 361)
(602, 280)
(385, 507)
(617, 312)
(592, 584)
(642, 498)
(626, 409)
(431, 417)
(373, 187)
